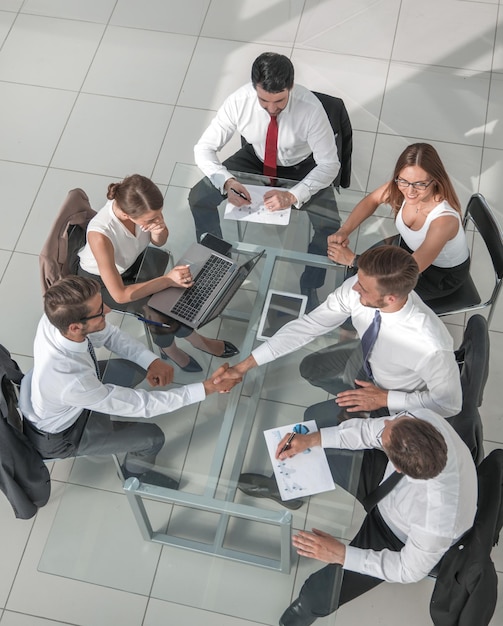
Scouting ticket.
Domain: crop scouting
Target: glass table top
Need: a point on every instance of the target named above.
(207, 446)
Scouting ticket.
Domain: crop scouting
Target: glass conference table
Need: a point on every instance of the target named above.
(208, 445)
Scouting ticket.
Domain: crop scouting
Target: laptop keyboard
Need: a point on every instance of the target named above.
(192, 299)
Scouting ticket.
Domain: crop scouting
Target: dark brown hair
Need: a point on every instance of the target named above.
(273, 72)
(416, 448)
(425, 156)
(65, 302)
(394, 268)
(136, 195)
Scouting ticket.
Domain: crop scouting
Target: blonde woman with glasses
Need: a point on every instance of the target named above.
(427, 216)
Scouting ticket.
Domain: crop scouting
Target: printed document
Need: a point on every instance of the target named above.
(256, 211)
(303, 474)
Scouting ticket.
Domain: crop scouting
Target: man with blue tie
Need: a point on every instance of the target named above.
(410, 361)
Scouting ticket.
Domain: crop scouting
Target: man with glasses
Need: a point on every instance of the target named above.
(418, 485)
(68, 407)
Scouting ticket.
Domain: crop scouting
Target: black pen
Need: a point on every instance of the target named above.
(288, 443)
(238, 193)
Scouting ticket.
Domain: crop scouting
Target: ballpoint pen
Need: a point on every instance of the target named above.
(143, 319)
(238, 193)
(288, 443)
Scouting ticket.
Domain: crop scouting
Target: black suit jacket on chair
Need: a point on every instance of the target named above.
(24, 477)
(465, 592)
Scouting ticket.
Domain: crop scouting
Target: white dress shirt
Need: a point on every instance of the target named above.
(303, 129)
(428, 516)
(412, 357)
(64, 381)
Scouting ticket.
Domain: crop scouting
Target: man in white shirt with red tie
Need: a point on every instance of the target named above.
(288, 135)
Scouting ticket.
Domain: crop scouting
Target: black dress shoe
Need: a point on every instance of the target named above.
(229, 350)
(191, 367)
(151, 477)
(312, 298)
(259, 486)
(296, 615)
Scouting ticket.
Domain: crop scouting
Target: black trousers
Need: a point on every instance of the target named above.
(322, 592)
(204, 199)
(97, 434)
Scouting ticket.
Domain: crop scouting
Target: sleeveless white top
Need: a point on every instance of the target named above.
(455, 250)
(127, 247)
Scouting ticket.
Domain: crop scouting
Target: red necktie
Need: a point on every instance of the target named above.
(271, 148)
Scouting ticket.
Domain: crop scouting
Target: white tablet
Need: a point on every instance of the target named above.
(280, 307)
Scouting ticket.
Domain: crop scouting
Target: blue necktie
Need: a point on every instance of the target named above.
(368, 341)
(93, 357)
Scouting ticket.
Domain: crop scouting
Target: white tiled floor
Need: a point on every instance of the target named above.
(91, 91)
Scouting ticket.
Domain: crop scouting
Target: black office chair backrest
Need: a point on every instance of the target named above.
(473, 359)
(467, 297)
(341, 125)
(480, 213)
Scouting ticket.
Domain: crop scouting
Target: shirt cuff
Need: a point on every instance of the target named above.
(396, 401)
(301, 192)
(354, 560)
(146, 359)
(196, 392)
(219, 179)
(330, 436)
(263, 354)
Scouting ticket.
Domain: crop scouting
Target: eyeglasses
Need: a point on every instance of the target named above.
(421, 186)
(401, 414)
(92, 317)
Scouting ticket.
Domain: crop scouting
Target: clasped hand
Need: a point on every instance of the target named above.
(366, 397)
(337, 248)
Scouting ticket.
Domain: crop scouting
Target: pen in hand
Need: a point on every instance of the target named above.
(288, 443)
(238, 193)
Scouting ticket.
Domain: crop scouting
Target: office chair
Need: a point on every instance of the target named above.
(58, 257)
(473, 360)
(343, 132)
(465, 591)
(467, 297)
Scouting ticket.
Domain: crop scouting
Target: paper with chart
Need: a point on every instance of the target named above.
(303, 474)
(256, 211)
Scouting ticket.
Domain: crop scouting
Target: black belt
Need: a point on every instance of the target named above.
(58, 435)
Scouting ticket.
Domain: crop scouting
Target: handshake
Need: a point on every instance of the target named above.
(223, 379)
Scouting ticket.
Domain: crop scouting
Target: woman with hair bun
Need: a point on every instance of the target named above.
(427, 216)
(117, 238)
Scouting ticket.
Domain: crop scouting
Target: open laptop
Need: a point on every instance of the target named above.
(216, 279)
